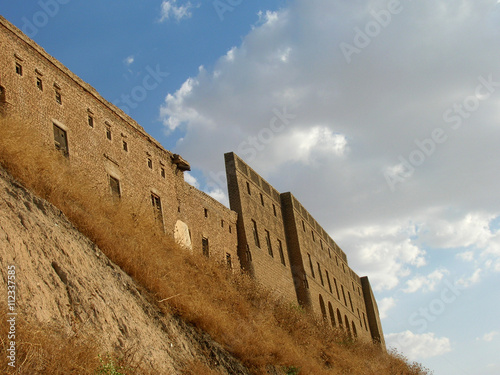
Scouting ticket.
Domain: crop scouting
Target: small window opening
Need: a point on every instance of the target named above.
(328, 280)
(269, 245)
(114, 185)
(205, 248)
(343, 294)
(336, 288)
(150, 163)
(312, 234)
(282, 255)
(303, 226)
(255, 234)
(320, 274)
(274, 210)
(90, 121)
(39, 83)
(261, 199)
(19, 69)
(156, 202)
(58, 97)
(163, 175)
(311, 265)
(125, 146)
(61, 140)
(108, 133)
(230, 229)
(248, 189)
(206, 212)
(222, 223)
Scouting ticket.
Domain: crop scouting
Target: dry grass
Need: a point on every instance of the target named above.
(245, 318)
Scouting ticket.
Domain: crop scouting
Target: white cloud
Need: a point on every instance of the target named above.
(129, 60)
(384, 305)
(353, 121)
(466, 256)
(425, 283)
(169, 8)
(190, 179)
(488, 337)
(466, 282)
(418, 346)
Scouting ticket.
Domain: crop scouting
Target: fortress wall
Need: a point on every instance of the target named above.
(259, 205)
(139, 163)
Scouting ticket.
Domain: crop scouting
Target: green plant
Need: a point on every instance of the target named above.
(109, 366)
(292, 370)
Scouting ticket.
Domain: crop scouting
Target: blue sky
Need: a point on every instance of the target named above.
(382, 117)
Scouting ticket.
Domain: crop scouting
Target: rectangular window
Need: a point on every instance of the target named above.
(156, 202)
(229, 261)
(114, 184)
(311, 265)
(222, 223)
(303, 226)
(255, 234)
(150, 163)
(336, 288)
(320, 274)
(350, 301)
(230, 229)
(204, 245)
(261, 199)
(312, 234)
(329, 252)
(125, 146)
(163, 175)
(39, 83)
(108, 133)
(343, 294)
(248, 189)
(328, 280)
(58, 97)
(282, 255)
(19, 69)
(321, 243)
(268, 242)
(90, 121)
(61, 140)
(205, 211)
(274, 210)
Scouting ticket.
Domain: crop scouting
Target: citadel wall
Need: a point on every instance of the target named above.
(108, 147)
(268, 234)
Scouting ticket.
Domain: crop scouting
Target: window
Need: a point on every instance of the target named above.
(19, 69)
(108, 133)
(321, 243)
(229, 261)
(339, 318)
(303, 226)
(150, 163)
(61, 140)
(328, 280)
(350, 300)
(311, 265)
(222, 223)
(156, 202)
(320, 274)
(58, 97)
(230, 229)
(332, 314)
(343, 294)
(261, 199)
(354, 331)
(336, 288)
(39, 83)
(255, 234)
(2, 94)
(114, 184)
(343, 267)
(322, 307)
(312, 234)
(90, 121)
(364, 321)
(353, 288)
(204, 246)
(282, 255)
(125, 146)
(248, 188)
(337, 260)
(163, 175)
(205, 211)
(274, 210)
(269, 246)
(329, 252)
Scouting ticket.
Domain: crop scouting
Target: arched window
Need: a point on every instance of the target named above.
(339, 318)
(322, 306)
(347, 326)
(332, 314)
(354, 331)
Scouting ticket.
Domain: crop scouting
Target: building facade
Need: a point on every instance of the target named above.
(268, 234)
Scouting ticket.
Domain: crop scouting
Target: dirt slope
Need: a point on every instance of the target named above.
(64, 279)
